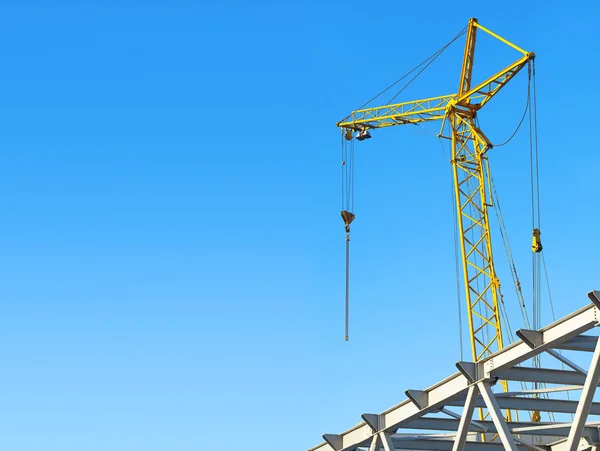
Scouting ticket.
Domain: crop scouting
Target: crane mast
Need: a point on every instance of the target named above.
(471, 177)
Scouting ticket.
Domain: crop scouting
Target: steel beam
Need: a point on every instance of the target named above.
(530, 446)
(452, 387)
(388, 445)
(374, 441)
(556, 333)
(538, 391)
(585, 402)
(558, 356)
(457, 416)
(465, 421)
(494, 409)
(522, 428)
(446, 445)
(557, 429)
(530, 404)
(585, 343)
(544, 375)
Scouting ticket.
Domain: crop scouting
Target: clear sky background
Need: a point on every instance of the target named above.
(172, 254)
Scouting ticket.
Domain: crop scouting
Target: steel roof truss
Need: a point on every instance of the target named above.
(471, 388)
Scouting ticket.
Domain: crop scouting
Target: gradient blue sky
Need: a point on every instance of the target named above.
(171, 247)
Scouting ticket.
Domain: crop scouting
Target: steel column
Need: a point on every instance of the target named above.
(497, 418)
(585, 402)
(465, 421)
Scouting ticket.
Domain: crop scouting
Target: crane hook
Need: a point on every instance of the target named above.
(536, 244)
(348, 218)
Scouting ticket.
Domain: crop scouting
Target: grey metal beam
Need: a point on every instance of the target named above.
(554, 334)
(586, 343)
(538, 391)
(543, 405)
(558, 356)
(465, 421)
(548, 376)
(530, 446)
(522, 428)
(388, 445)
(557, 429)
(585, 402)
(450, 424)
(446, 445)
(457, 416)
(360, 435)
(374, 441)
(494, 409)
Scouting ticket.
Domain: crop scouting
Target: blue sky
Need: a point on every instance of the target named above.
(171, 247)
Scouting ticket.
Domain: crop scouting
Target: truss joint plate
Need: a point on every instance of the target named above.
(372, 420)
(419, 398)
(532, 338)
(334, 440)
(595, 298)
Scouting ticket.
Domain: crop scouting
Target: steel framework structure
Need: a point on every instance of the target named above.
(471, 387)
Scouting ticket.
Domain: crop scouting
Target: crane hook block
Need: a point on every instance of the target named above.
(536, 244)
(348, 218)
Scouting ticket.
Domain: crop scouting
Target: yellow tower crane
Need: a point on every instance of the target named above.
(471, 175)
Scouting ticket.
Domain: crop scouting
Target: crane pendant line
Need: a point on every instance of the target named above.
(471, 178)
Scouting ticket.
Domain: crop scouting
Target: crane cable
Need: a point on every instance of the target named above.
(348, 164)
(535, 221)
(535, 211)
(510, 258)
(427, 62)
(456, 253)
(537, 255)
(346, 213)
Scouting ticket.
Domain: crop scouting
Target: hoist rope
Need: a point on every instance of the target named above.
(347, 174)
(347, 215)
(456, 257)
(552, 311)
(509, 254)
(348, 162)
(548, 285)
(351, 203)
(343, 169)
(537, 153)
(426, 61)
(535, 207)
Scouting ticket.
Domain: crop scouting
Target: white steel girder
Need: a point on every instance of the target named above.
(471, 387)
